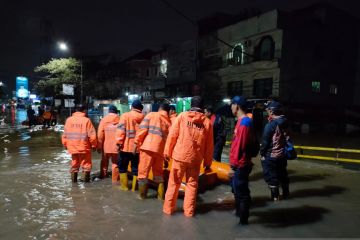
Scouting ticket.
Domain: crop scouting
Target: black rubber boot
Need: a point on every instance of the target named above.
(86, 176)
(244, 213)
(237, 207)
(274, 193)
(74, 176)
(285, 191)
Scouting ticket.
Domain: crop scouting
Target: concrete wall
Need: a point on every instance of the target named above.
(247, 28)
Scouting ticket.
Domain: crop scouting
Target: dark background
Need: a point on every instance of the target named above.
(31, 29)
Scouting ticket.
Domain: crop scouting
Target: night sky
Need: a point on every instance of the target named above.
(114, 27)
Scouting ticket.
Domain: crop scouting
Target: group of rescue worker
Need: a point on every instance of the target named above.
(149, 142)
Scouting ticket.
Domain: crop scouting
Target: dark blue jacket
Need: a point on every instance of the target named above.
(273, 140)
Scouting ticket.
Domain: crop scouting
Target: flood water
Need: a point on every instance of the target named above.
(38, 200)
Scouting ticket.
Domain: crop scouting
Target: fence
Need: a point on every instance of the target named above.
(330, 154)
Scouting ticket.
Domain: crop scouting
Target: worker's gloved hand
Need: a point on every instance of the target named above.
(166, 164)
(119, 146)
(207, 168)
(262, 158)
(134, 149)
(231, 173)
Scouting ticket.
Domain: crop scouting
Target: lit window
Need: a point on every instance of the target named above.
(333, 89)
(229, 55)
(238, 54)
(315, 87)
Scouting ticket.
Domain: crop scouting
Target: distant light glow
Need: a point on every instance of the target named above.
(32, 96)
(226, 100)
(179, 99)
(127, 94)
(163, 67)
(63, 46)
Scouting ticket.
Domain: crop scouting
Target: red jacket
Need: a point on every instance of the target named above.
(241, 139)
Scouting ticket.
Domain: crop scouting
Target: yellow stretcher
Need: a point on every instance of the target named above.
(218, 173)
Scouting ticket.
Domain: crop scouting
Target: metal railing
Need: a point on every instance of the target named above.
(335, 158)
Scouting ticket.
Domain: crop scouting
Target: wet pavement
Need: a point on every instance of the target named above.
(38, 201)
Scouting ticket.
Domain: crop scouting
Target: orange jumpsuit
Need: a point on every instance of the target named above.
(107, 143)
(125, 135)
(79, 137)
(151, 138)
(173, 117)
(189, 142)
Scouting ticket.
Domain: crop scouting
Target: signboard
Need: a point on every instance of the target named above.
(68, 89)
(69, 103)
(57, 102)
(22, 87)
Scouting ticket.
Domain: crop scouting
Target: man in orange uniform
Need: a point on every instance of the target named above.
(78, 138)
(47, 118)
(172, 114)
(107, 143)
(125, 135)
(189, 142)
(151, 139)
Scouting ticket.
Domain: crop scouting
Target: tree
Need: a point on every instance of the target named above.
(59, 71)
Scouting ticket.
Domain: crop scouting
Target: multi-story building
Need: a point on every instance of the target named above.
(305, 56)
(181, 70)
(136, 73)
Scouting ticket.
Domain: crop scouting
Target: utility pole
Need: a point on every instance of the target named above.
(81, 81)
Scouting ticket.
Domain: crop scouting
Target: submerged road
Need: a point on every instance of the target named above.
(38, 201)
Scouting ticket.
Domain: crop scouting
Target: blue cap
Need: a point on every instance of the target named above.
(112, 109)
(137, 104)
(239, 100)
(274, 106)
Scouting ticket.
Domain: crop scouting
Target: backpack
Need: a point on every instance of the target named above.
(253, 147)
(290, 152)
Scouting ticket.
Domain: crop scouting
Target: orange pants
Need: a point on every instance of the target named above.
(81, 159)
(178, 170)
(151, 160)
(104, 165)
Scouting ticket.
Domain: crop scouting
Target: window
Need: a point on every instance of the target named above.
(235, 88)
(263, 87)
(238, 54)
(229, 60)
(266, 48)
(315, 87)
(333, 89)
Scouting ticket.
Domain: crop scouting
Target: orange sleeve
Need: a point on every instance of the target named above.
(209, 146)
(120, 131)
(101, 134)
(172, 137)
(91, 134)
(142, 132)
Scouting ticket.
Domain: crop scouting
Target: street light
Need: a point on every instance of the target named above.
(64, 47)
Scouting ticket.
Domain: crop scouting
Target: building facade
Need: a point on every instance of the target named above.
(294, 56)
